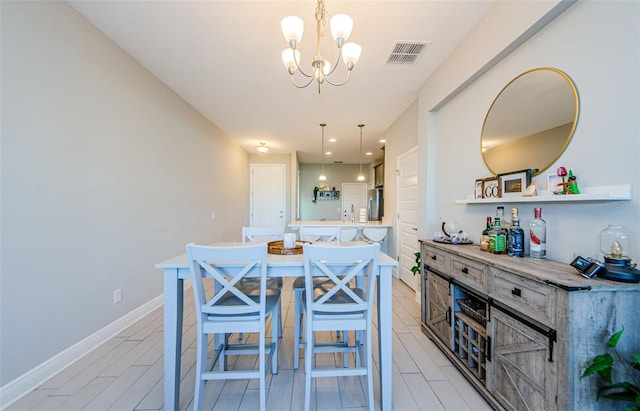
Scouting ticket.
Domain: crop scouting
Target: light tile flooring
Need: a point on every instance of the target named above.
(125, 373)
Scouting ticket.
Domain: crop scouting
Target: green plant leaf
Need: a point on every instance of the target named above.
(602, 365)
(623, 391)
(613, 341)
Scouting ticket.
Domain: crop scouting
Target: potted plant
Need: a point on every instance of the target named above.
(605, 364)
(416, 268)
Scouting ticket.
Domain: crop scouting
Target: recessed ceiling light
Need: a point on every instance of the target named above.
(368, 153)
(332, 140)
(328, 153)
(383, 141)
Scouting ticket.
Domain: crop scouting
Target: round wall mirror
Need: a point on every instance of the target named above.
(530, 122)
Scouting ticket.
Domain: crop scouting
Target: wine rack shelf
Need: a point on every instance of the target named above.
(470, 344)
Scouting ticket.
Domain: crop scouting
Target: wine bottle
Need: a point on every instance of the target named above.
(497, 238)
(515, 240)
(484, 240)
(538, 236)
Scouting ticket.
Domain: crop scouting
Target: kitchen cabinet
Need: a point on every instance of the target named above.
(522, 331)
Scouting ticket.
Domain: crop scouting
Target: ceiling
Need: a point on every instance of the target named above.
(223, 58)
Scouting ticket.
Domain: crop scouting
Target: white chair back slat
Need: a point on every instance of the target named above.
(314, 234)
(375, 235)
(262, 234)
(348, 234)
(214, 262)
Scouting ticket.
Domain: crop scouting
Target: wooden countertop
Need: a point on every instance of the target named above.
(546, 271)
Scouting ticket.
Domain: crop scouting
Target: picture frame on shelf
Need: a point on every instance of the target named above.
(552, 184)
(491, 187)
(515, 183)
(477, 193)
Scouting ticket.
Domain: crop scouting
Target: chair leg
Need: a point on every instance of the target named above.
(275, 335)
(369, 361)
(201, 364)
(263, 367)
(308, 365)
(297, 333)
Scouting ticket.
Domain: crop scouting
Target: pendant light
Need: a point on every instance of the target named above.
(360, 176)
(323, 176)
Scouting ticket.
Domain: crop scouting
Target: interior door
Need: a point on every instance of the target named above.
(267, 195)
(353, 194)
(407, 167)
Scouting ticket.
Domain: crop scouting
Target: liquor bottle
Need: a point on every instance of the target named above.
(504, 222)
(515, 240)
(538, 236)
(484, 240)
(497, 238)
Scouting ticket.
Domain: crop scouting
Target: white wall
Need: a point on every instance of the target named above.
(105, 172)
(596, 44)
(400, 137)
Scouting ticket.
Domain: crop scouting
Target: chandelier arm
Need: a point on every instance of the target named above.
(338, 84)
(293, 81)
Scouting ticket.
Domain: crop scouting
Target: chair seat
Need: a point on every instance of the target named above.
(251, 284)
(272, 299)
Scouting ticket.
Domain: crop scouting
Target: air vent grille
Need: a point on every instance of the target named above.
(407, 52)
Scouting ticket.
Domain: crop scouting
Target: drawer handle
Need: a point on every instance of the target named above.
(434, 258)
(465, 270)
(517, 292)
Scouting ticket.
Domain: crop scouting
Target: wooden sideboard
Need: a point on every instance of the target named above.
(530, 328)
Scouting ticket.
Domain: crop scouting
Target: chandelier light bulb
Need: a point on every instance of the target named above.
(290, 58)
(292, 29)
(341, 26)
(351, 54)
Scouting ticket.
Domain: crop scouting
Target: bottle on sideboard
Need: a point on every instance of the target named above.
(504, 222)
(515, 240)
(484, 240)
(498, 238)
(538, 236)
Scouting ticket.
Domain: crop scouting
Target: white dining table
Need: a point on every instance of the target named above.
(176, 270)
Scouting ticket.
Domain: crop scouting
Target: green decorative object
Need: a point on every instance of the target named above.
(416, 268)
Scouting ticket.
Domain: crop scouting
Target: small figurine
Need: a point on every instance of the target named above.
(572, 184)
(531, 190)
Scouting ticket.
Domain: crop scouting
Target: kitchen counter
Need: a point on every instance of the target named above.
(294, 225)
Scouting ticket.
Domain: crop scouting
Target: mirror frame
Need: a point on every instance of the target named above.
(555, 156)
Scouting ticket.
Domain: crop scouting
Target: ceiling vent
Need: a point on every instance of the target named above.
(407, 52)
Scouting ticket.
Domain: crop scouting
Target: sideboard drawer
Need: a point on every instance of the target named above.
(531, 298)
(469, 272)
(436, 259)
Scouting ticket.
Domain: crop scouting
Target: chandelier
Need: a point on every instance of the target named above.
(360, 175)
(341, 25)
(323, 176)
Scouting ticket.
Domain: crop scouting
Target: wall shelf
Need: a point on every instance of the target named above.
(589, 194)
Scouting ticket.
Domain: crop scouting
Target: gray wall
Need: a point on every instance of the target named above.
(336, 175)
(105, 172)
(596, 44)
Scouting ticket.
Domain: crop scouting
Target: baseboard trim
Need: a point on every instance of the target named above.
(27, 382)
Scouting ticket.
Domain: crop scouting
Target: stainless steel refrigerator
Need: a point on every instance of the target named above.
(375, 204)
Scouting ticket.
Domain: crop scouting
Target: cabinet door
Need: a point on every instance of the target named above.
(520, 373)
(439, 307)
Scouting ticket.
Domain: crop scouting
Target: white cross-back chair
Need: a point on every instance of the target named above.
(340, 308)
(348, 234)
(261, 234)
(312, 234)
(374, 234)
(319, 233)
(230, 310)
